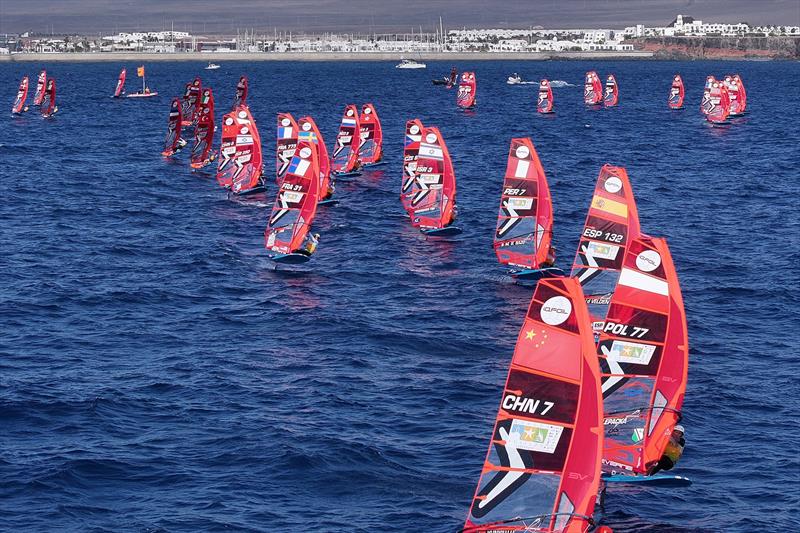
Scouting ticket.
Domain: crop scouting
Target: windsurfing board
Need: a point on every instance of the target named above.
(291, 259)
(656, 480)
(533, 274)
(329, 201)
(448, 231)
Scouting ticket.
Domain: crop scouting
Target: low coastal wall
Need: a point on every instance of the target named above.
(721, 47)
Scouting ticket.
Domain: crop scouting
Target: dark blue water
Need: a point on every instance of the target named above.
(156, 373)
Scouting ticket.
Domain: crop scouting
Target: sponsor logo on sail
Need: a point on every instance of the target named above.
(556, 310)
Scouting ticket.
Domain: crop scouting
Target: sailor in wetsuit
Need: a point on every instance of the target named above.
(309, 244)
(551, 258)
(672, 453)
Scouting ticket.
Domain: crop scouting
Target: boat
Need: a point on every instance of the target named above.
(467, 88)
(719, 105)
(612, 223)
(345, 154)
(370, 149)
(514, 79)
(433, 203)
(294, 208)
(285, 144)
(310, 132)
(644, 354)
(544, 103)
(49, 107)
(202, 154)
(705, 104)
(676, 93)
(19, 106)
(410, 154)
(742, 96)
(120, 90)
(240, 167)
(173, 143)
(240, 98)
(611, 96)
(41, 85)
(410, 63)
(522, 239)
(145, 92)
(542, 470)
(191, 102)
(212, 66)
(592, 89)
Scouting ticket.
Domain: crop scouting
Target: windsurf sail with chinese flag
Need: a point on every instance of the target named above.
(410, 154)
(742, 96)
(120, 90)
(22, 94)
(191, 102)
(467, 89)
(204, 131)
(296, 202)
(545, 102)
(434, 201)
(173, 142)
(240, 98)
(644, 354)
(310, 132)
(542, 470)
(286, 144)
(49, 107)
(719, 103)
(41, 86)
(592, 89)
(611, 225)
(705, 104)
(676, 93)
(240, 164)
(345, 153)
(370, 151)
(611, 96)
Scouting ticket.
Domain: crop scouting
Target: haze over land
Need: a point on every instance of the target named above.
(215, 16)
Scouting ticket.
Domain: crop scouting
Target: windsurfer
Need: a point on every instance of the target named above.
(453, 76)
(672, 452)
(550, 261)
(309, 244)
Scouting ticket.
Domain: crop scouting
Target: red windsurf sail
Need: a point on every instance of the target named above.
(592, 89)
(410, 154)
(296, 203)
(240, 98)
(545, 102)
(611, 224)
(173, 137)
(676, 93)
(467, 88)
(719, 103)
(742, 97)
(22, 95)
(286, 144)
(705, 105)
(204, 131)
(240, 161)
(191, 108)
(41, 86)
(611, 96)
(370, 149)
(736, 94)
(345, 154)
(310, 132)
(49, 107)
(542, 470)
(644, 355)
(525, 220)
(434, 200)
(120, 90)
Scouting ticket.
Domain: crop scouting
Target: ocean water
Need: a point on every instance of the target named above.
(158, 374)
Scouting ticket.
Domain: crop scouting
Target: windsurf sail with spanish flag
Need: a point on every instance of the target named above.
(410, 155)
(49, 107)
(467, 90)
(676, 93)
(644, 355)
(285, 144)
(173, 142)
(310, 132)
(544, 104)
(611, 225)
(434, 192)
(611, 96)
(370, 149)
(41, 86)
(22, 94)
(240, 164)
(345, 153)
(592, 89)
(240, 98)
(204, 131)
(719, 103)
(120, 90)
(542, 470)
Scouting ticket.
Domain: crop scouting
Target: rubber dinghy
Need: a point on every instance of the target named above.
(611, 225)
(434, 201)
(120, 90)
(410, 155)
(240, 166)
(41, 86)
(22, 94)
(592, 89)
(191, 102)
(542, 470)
(644, 355)
(370, 149)
(719, 104)
(310, 132)
(285, 144)
(611, 96)
(525, 219)
(49, 107)
(173, 142)
(467, 90)
(240, 98)
(544, 104)
(676, 93)
(294, 208)
(345, 153)
(202, 155)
